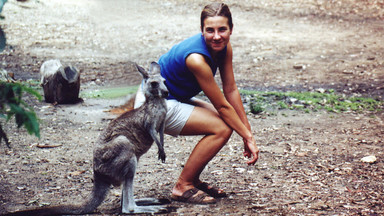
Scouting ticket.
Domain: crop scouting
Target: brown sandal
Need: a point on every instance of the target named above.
(191, 196)
(211, 190)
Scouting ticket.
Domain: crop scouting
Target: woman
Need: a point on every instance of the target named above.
(189, 68)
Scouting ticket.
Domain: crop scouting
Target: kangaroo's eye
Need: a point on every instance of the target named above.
(154, 84)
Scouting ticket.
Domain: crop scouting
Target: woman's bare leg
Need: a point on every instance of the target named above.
(203, 121)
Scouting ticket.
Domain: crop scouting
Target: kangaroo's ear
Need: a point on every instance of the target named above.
(142, 71)
(154, 68)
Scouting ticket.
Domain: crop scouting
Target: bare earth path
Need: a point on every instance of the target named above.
(309, 162)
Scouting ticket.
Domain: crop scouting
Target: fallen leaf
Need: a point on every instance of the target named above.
(47, 146)
(76, 173)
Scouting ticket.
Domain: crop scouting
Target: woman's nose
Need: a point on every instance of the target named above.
(216, 36)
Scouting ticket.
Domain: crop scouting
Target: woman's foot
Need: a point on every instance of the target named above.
(211, 190)
(194, 196)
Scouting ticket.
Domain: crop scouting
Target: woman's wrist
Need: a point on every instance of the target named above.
(248, 137)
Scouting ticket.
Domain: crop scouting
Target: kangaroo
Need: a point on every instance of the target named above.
(119, 148)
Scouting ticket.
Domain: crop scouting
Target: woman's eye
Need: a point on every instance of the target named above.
(223, 29)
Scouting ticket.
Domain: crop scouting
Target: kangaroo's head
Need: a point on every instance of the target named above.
(154, 83)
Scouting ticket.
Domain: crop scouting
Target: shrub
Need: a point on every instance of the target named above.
(13, 105)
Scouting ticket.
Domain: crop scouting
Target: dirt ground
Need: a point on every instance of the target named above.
(310, 163)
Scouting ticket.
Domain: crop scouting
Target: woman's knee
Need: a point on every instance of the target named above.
(224, 131)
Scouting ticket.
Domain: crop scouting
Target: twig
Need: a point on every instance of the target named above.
(3, 135)
(48, 146)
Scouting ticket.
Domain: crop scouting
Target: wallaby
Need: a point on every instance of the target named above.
(119, 148)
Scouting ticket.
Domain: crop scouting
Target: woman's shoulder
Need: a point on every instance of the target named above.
(196, 59)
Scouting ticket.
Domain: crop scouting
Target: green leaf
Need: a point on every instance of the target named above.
(31, 123)
(12, 104)
(27, 119)
(32, 92)
(19, 113)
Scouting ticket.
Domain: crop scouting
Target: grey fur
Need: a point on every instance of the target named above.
(119, 148)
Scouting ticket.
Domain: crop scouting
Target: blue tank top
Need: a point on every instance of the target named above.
(181, 83)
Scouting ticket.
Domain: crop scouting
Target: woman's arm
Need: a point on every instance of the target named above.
(232, 94)
(230, 89)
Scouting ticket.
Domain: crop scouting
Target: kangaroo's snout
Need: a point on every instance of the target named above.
(162, 92)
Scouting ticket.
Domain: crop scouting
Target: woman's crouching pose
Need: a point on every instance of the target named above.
(189, 68)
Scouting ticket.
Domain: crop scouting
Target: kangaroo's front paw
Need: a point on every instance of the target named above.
(162, 156)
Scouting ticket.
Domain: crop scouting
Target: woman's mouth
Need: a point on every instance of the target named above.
(216, 43)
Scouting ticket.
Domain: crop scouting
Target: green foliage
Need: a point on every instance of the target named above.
(13, 105)
(312, 101)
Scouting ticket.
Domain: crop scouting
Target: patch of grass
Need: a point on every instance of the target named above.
(109, 93)
(310, 101)
(256, 108)
(282, 105)
(105, 93)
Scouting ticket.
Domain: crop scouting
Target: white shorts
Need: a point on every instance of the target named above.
(177, 115)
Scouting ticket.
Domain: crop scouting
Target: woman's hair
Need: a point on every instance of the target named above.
(216, 9)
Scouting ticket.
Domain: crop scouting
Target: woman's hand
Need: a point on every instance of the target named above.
(251, 150)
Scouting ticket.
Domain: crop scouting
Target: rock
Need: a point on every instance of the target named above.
(299, 67)
(369, 159)
(320, 90)
(319, 205)
(240, 170)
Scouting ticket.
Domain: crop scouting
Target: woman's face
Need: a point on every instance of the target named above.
(216, 33)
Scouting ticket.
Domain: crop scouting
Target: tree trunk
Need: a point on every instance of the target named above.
(61, 84)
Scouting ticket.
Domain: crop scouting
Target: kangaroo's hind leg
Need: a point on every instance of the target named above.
(145, 205)
(128, 201)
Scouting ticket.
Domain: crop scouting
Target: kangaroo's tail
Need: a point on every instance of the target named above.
(99, 191)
